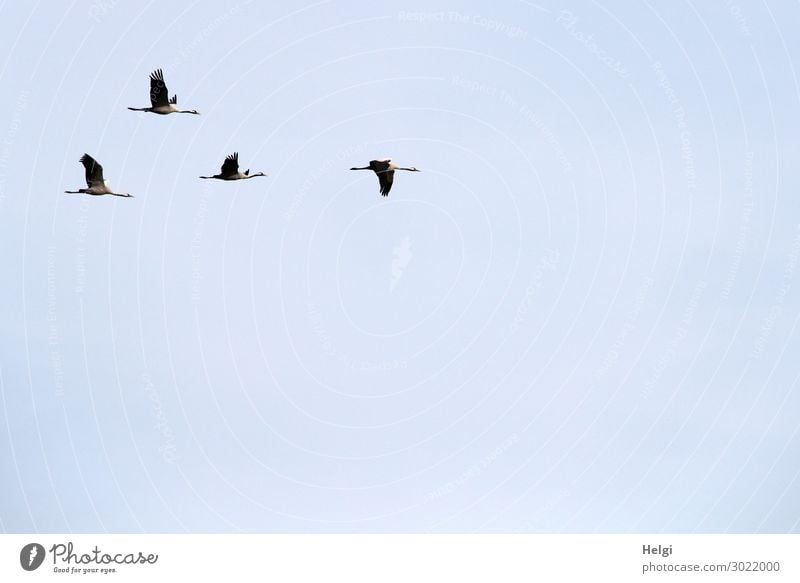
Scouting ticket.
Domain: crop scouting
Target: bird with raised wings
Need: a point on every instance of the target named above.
(385, 170)
(159, 97)
(95, 183)
(230, 170)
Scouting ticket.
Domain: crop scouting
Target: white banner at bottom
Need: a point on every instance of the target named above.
(399, 558)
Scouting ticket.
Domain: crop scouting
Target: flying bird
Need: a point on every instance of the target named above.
(95, 182)
(159, 98)
(230, 170)
(385, 170)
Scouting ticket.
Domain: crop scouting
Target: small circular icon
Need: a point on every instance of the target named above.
(31, 556)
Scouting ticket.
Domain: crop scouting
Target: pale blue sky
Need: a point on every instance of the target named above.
(581, 316)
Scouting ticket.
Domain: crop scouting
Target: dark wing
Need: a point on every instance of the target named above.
(379, 165)
(386, 179)
(158, 90)
(174, 100)
(385, 176)
(231, 165)
(94, 172)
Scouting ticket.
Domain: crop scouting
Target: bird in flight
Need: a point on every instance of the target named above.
(159, 98)
(385, 170)
(95, 182)
(230, 170)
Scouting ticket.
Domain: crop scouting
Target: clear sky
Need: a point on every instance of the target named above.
(581, 316)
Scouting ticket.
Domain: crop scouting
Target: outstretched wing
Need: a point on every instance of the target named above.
(386, 180)
(94, 172)
(231, 165)
(385, 176)
(158, 90)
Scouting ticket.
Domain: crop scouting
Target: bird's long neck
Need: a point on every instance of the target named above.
(409, 169)
(363, 168)
(140, 108)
